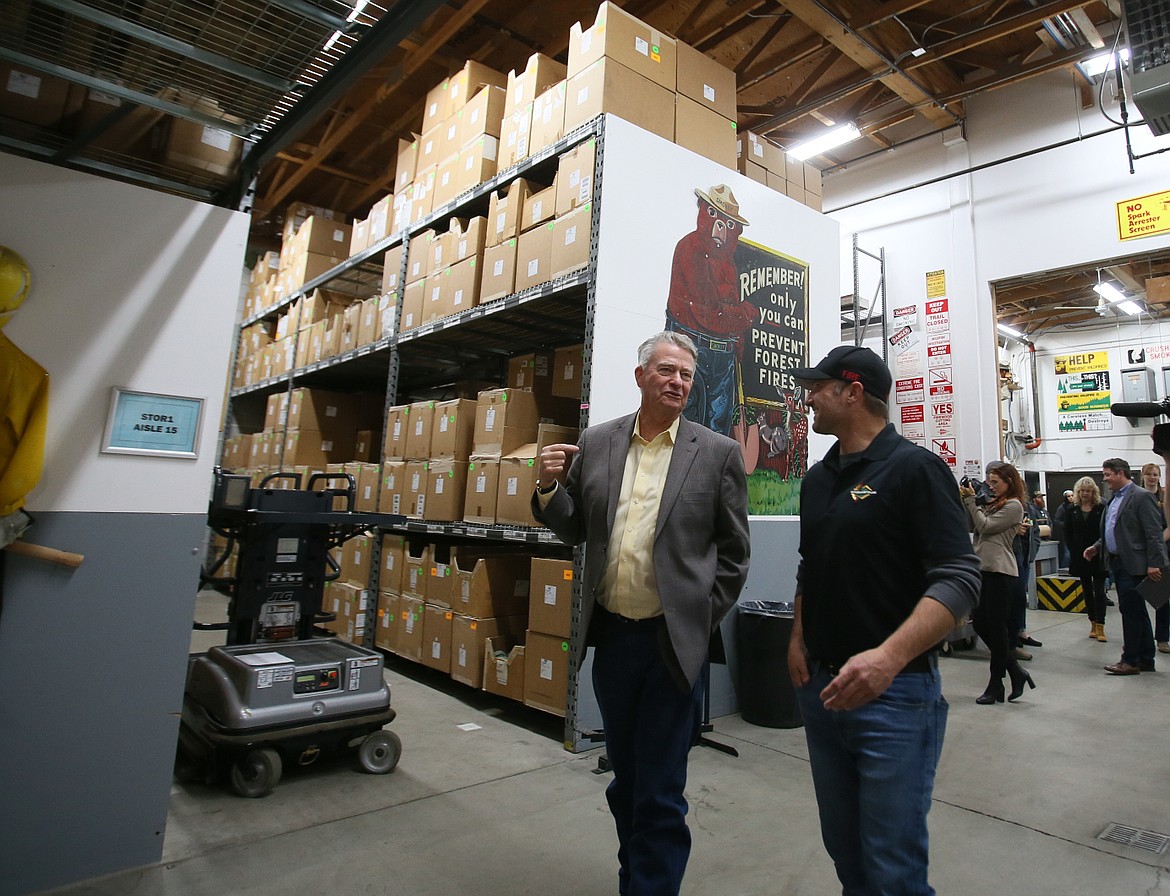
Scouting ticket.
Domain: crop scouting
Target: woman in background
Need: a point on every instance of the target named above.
(1082, 527)
(994, 526)
(1152, 482)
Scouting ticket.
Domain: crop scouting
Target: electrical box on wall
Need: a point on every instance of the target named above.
(1137, 384)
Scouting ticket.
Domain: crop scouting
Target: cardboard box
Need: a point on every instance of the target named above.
(334, 413)
(514, 134)
(466, 238)
(414, 492)
(194, 146)
(750, 169)
(363, 448)
(324, 236)
(435, 300)
(390, 570)
(394, 435)
(570, 241)
(701, 130)
(498, 277)
(550, 597)
(505, 210)
(483, 480)
(429, 146)
(304, 267)
(516, 484)
(468, 82)
(461, 289)
(435, 107)
(388, 621)
(477, 162)
(448, 141)
(539, 207)
(750, 146)
(411, 612)
(620, 36)
(442, 583)
(452, 430)
(356, 556)
(812, 179)
(575, 176)
(794, 171)
(392, 269)
(541, 73)
(387, 310)
(813, 201)
(534, 257)
(436, 639)
(308, 447)
(416, 570)
(567, 370)
(777, 182)
(369, 483)
(412, 305)
(548, 118)
(491, 584)
(707, 82)
(468, 641)
(393, 490)
(419, 422)
(381, 219)
(407, 163)
(369, 322)
(505, 419)
(503, 675)
(608, 86)
(546, 672)
(446, 489)
(482, 115)
(422, 200)
(447, 180)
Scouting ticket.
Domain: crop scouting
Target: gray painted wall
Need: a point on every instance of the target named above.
(94, 661)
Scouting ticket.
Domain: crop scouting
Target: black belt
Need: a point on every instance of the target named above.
(617, 617)
(927, 662)
(704, 341)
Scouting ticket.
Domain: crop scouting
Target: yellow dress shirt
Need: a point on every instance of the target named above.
(24, 413)
(630, 588)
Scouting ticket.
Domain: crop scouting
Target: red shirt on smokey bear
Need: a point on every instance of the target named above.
(704, 282)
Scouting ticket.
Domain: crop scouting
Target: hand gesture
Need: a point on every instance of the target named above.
(554, 463)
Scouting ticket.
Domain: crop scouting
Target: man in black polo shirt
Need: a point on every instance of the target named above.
(886, 571)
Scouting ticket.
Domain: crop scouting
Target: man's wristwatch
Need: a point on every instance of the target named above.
(545, 490)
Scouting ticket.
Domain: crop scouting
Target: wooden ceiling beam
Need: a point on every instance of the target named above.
(1015, 73)
(762, 44)
(782, 60)
(884, 12)
(869, 60)
(726, 23)
(410, 65)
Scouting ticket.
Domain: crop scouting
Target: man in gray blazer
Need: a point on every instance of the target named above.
(660, 504)
(1131, 536)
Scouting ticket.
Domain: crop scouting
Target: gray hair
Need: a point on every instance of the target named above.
(666, 337)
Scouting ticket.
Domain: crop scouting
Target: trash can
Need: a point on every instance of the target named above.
(766, 695)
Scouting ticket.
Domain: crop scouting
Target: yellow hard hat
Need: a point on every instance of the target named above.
(15, 280)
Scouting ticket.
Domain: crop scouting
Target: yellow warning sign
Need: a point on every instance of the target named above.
(936, 284)
(1144, 216)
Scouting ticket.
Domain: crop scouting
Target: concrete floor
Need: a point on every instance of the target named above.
(1023, 791)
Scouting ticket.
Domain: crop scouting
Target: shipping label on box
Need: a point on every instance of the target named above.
(436, 640)
(414, 493)
(479, 504)
(546, 672)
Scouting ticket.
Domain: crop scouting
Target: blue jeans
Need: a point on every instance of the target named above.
(1136, 632)
(873, 771)
(650, 726)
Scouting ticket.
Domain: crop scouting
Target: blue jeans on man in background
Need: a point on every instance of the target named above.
(873, 770)
(1136, 632)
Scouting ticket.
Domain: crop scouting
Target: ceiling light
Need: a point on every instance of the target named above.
(1109, 292)
(917, 51)
(1009, 331)
(1102, 62)
(1130, 307)
(357, 10)
(839, 136)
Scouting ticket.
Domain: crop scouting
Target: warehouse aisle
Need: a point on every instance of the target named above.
(485, 800)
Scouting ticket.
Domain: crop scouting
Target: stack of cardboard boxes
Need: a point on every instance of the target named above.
(766, 163)
(347, 598)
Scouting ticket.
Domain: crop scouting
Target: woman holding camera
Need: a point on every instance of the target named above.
(1082, 527)
(994, 525)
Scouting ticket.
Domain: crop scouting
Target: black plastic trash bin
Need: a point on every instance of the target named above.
(766, 695)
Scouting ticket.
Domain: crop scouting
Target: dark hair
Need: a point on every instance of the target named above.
(1015, 483)
(1117, 465)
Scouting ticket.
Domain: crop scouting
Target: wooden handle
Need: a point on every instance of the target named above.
(43, 553)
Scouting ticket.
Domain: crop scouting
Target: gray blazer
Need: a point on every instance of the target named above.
(701, 544)
(1138, 531)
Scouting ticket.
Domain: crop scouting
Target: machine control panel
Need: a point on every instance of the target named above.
(313, 681)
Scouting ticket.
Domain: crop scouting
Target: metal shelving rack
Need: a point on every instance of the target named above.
(559, 312)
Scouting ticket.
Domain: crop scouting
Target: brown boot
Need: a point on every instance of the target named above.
(1101, 633)
(1093, 630)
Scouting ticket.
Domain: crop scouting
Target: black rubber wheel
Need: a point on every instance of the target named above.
(256, 772)
(379, 752)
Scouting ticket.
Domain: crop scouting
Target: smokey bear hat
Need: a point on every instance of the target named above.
(852, 364)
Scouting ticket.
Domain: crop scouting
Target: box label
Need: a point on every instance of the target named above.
(546, 669)
(550, 595)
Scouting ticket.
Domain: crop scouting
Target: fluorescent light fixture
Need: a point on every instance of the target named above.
(839, 136)
(1009, 331)
(357, 10)
(1109, 292)
(332, 40)
(1130, 307)
(1099, 64)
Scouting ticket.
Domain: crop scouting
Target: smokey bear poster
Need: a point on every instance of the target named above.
(745, 306)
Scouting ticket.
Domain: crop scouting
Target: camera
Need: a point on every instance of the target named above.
(1161, 435)
(982, 489)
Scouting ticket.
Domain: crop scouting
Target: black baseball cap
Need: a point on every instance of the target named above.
(853, 364)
